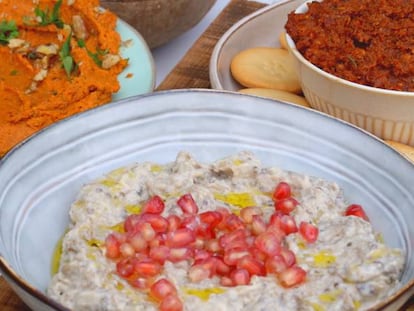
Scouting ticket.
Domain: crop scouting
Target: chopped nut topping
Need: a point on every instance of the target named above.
(41, 75)
(16, 43)
(79, 27)
(50, 49)
(110, 60)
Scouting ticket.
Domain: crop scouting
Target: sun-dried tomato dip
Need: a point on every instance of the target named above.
(230, 235)
(363, 41)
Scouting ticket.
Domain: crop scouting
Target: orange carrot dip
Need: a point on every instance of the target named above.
(58, 58)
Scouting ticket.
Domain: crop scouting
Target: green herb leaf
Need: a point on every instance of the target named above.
(47, 18)
(14, 72)
(68, 64)
(81, 43)
(64, 54)
(95, 58)
(8, 30)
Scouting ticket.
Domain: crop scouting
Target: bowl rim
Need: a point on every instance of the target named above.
(11, 274)
(214, 73)
(292, 48)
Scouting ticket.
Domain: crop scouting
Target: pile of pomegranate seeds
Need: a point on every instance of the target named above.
(215, 243)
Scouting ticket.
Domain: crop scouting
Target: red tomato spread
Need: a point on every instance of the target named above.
(363, 41)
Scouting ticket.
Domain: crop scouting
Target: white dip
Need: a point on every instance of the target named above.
(348, 267)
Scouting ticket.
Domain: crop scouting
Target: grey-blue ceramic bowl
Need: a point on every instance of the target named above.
(41, 177)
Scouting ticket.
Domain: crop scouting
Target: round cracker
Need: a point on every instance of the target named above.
(278, 95)
(283, 41)
(264, 67)
(406, 150)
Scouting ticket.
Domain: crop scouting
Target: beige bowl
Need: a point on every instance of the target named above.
(159, 21)
(385, 113)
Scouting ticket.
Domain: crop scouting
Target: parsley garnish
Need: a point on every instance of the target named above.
(64, 54)
(47, 18)
(94, 56)
(8, 30)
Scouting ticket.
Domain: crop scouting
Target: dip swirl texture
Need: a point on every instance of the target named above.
(348, 267)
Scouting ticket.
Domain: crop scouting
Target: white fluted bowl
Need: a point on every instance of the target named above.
(387, 114)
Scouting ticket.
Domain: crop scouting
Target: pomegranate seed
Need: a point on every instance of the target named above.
(157, 222)
(213, 246)
(233, 223)
(275, 264)
(212, 218)
(224, 212)
(221, 267)
(180, 237)
(201, 254)
(146, 231)
(190, 222)
(147, 267)
(268, 243)
(180, 254)
(280, 223)
(198, 273)
(356, 210)
(187, 204)
(159, 253)
(155, 205)
(131, 222)
(140, 283)
(205, 232)
(292, 276)
(258, 225)
(232, 238)
(138, 242)
(247, 213)
(125, 267)
(174, 222)
(257, 253)
(126, 249)
(112, 246)
(198, 243)
(226, 281)
(232, 256)
(288, 224)
(161, 289)
(171, 303)
(308, 232)
(253, 266)
(121, 237)
(282, 191)
(288, 256)
(240, 277)
(210, 264)
(286, 206)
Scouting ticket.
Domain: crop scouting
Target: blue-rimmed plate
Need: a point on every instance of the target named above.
(139, 76)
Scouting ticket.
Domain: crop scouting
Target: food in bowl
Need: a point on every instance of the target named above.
(362, 41)
(58, 58)
(230, 234)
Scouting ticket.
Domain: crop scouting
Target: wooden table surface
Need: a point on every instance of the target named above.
(191, 72)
